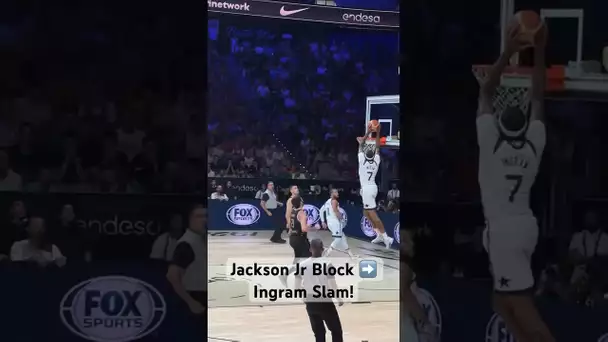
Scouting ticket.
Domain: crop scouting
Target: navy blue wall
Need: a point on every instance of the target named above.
(247, 215)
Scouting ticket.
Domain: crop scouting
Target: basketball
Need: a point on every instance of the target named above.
(373, 125)
(529, 23)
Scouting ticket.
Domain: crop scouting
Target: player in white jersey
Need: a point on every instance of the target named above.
(510, 150)
(369, 164)
(332, 219)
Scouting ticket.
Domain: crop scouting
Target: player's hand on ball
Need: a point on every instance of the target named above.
(516, 40)
(540, 37)
(196, 307)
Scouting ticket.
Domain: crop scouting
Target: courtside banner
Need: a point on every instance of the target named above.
(314, 13)
(98, 301)
(247, 215)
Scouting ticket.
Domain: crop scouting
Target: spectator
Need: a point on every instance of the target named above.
(260, 192)
(146, 165)
(9, 180)
(130, 139)
(394, 193)
(219, 194)
(15, 228)
(43, 183)
(230, 190)
(71, 172)
(164, 245)
(36, 248)
(172, 178)
(23, 154)
(196, 139)
(589, 242)
(108, 182)
(76, 242)
(111, 157)
(588, 253)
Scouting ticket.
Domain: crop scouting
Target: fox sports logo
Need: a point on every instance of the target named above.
(604, 338)
(428, 303)
(367, 228)
(396, 232)
(496, 331)
(112, 309)
(312, 214)
(243, 214)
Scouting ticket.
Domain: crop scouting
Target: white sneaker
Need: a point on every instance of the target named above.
(388, 242)
(378, 239)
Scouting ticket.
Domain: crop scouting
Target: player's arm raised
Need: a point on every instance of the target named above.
(378, 138)
(513, 44)
(539, 75)
(361, 140)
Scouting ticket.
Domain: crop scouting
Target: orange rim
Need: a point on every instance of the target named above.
(556, 74)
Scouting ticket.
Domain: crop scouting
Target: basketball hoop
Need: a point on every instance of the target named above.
(516, 82)
(507, 96)
(389, 142)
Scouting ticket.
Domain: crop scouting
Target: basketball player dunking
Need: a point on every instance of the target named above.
(510, 150)
(332, 219)
(369, 163)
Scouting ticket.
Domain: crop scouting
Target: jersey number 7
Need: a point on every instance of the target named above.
(517, 179)
(370, 175)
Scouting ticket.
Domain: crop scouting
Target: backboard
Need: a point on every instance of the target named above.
(574, 49)
(386, 110)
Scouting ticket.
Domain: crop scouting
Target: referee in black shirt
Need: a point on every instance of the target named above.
(321, 312)
(269, 204)
(188, 270)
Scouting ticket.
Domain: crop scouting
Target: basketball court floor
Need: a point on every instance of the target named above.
(232, 318)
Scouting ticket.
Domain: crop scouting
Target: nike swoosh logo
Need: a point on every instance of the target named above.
(285, 12)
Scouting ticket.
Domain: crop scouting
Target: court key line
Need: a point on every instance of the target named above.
(222, 339)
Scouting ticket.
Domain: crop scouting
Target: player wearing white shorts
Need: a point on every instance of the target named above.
(332, 219)
(369, 163)
(510, 150)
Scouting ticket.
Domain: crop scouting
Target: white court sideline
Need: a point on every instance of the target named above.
(233, 318)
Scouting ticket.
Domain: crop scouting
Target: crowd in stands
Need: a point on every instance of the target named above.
(123, 112)
(299, 94)
(140, 145)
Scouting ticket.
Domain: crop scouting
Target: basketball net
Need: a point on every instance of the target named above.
(371, 141)
(504, 96)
